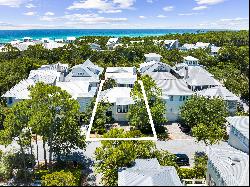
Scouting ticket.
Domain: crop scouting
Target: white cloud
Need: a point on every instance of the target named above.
(11, 3)
(238, 19)
(29, 13)
(142, 17)
(187, 14)
(200, 8)
(209, 2)
(30, 5)
(83, 19)
(104, 6)
(49, 14)
(150, 1)
(168, 8)
(161, 16)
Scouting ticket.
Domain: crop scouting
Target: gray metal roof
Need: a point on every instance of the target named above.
(219, 91)
(231, 164)
(148, 173)
(161, 75)
(241, 123)
(174, 87)
(198, 76)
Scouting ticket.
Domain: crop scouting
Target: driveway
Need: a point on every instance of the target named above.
(175, 132)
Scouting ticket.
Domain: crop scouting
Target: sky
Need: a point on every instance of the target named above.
(124, 14)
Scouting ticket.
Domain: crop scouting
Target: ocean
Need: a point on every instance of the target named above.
(9, 35)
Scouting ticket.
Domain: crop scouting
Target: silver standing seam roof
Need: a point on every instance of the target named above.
(148, 172)
(231, 165)
(219, 91)
(174, 87)
(241, 123)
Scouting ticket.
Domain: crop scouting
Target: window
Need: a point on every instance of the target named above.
(181, 98)
(10, 100)
(171, 98)
(122, 109)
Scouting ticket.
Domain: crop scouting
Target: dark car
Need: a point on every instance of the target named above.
(185, 128)
(182, 160)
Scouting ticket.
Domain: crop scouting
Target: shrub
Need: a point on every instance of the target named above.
(61, 178)
(186, 173)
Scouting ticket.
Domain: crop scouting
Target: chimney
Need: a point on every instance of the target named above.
(186, 73)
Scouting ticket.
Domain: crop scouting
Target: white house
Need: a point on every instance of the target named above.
(52, 45)
(148, 172)
(215, 50)
(82, 91)
(70, 39)
(191, 61)
(175, 93)
(220, 91)
(20, 91)
(120, 99)
(203, 45)
(95, 47)
(171, 44)
(197, 77)
(124, 76)
(152, 57)
(227, 167)
(85, 72)
(27, 39)
(59, 40)
(239, 133)
(23, 45)
(112, 42)
(154, 66)
(187, 47)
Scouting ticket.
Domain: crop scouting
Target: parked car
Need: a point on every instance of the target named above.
(185, 128)
(182, 160)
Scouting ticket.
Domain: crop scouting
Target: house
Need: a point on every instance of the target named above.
(203, 45)
(124, 76)
(215, 50)
(85, 72)
(187, 47)
(239, 133)
(95, 47)
(230, 99)
(46, 40)
(148, 172)
(154, 66)
(228, 164)
(191, 61)
(112, 42)
(19, 92)
(27, 39)
(70, 39)
(175, 93)
(171, 44)
(227, 167)
(59, 40)
(22, 46)
(197, 77)
(120, 99)
(52, 45)
(152, 57)
(82, 91)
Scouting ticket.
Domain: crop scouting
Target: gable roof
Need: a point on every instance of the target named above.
(198, 76)
(174, 87)
(161, 75)
(118, 95)
(241, 123)
(219, 91)
(152, 55)
(20, 90)
(151, 66)
(77, 88)
(190, 58)
(148, 173)
(231, 164)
